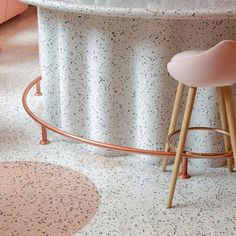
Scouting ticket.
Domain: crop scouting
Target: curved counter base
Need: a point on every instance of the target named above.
(106, 77)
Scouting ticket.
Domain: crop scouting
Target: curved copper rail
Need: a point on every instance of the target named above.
(89, 141)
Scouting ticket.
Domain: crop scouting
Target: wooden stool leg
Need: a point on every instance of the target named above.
(174, 119)
(182, 139)
(230, 116)
(224, 124)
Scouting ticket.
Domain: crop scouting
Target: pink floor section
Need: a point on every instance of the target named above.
(43, 199)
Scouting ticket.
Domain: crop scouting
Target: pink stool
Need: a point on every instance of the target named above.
(215, 67)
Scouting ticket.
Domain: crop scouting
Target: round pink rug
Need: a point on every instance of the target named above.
(43, 199)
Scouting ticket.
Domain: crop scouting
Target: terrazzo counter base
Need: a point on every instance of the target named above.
(105, 78)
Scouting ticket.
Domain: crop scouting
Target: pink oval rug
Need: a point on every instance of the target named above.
(43, 199)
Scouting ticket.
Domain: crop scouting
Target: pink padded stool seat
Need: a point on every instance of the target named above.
(214, 67)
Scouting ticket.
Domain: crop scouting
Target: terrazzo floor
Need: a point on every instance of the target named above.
(132, 189)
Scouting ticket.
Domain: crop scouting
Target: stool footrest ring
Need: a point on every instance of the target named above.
(196, 154)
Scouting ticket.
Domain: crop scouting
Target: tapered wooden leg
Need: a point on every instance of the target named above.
(230, 117)
(224, 124)
(181, 144)
(174, 119)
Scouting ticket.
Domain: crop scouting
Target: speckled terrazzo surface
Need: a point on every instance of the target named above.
(145, 8)
(105, 77)
(43, 199)
(133, 189)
